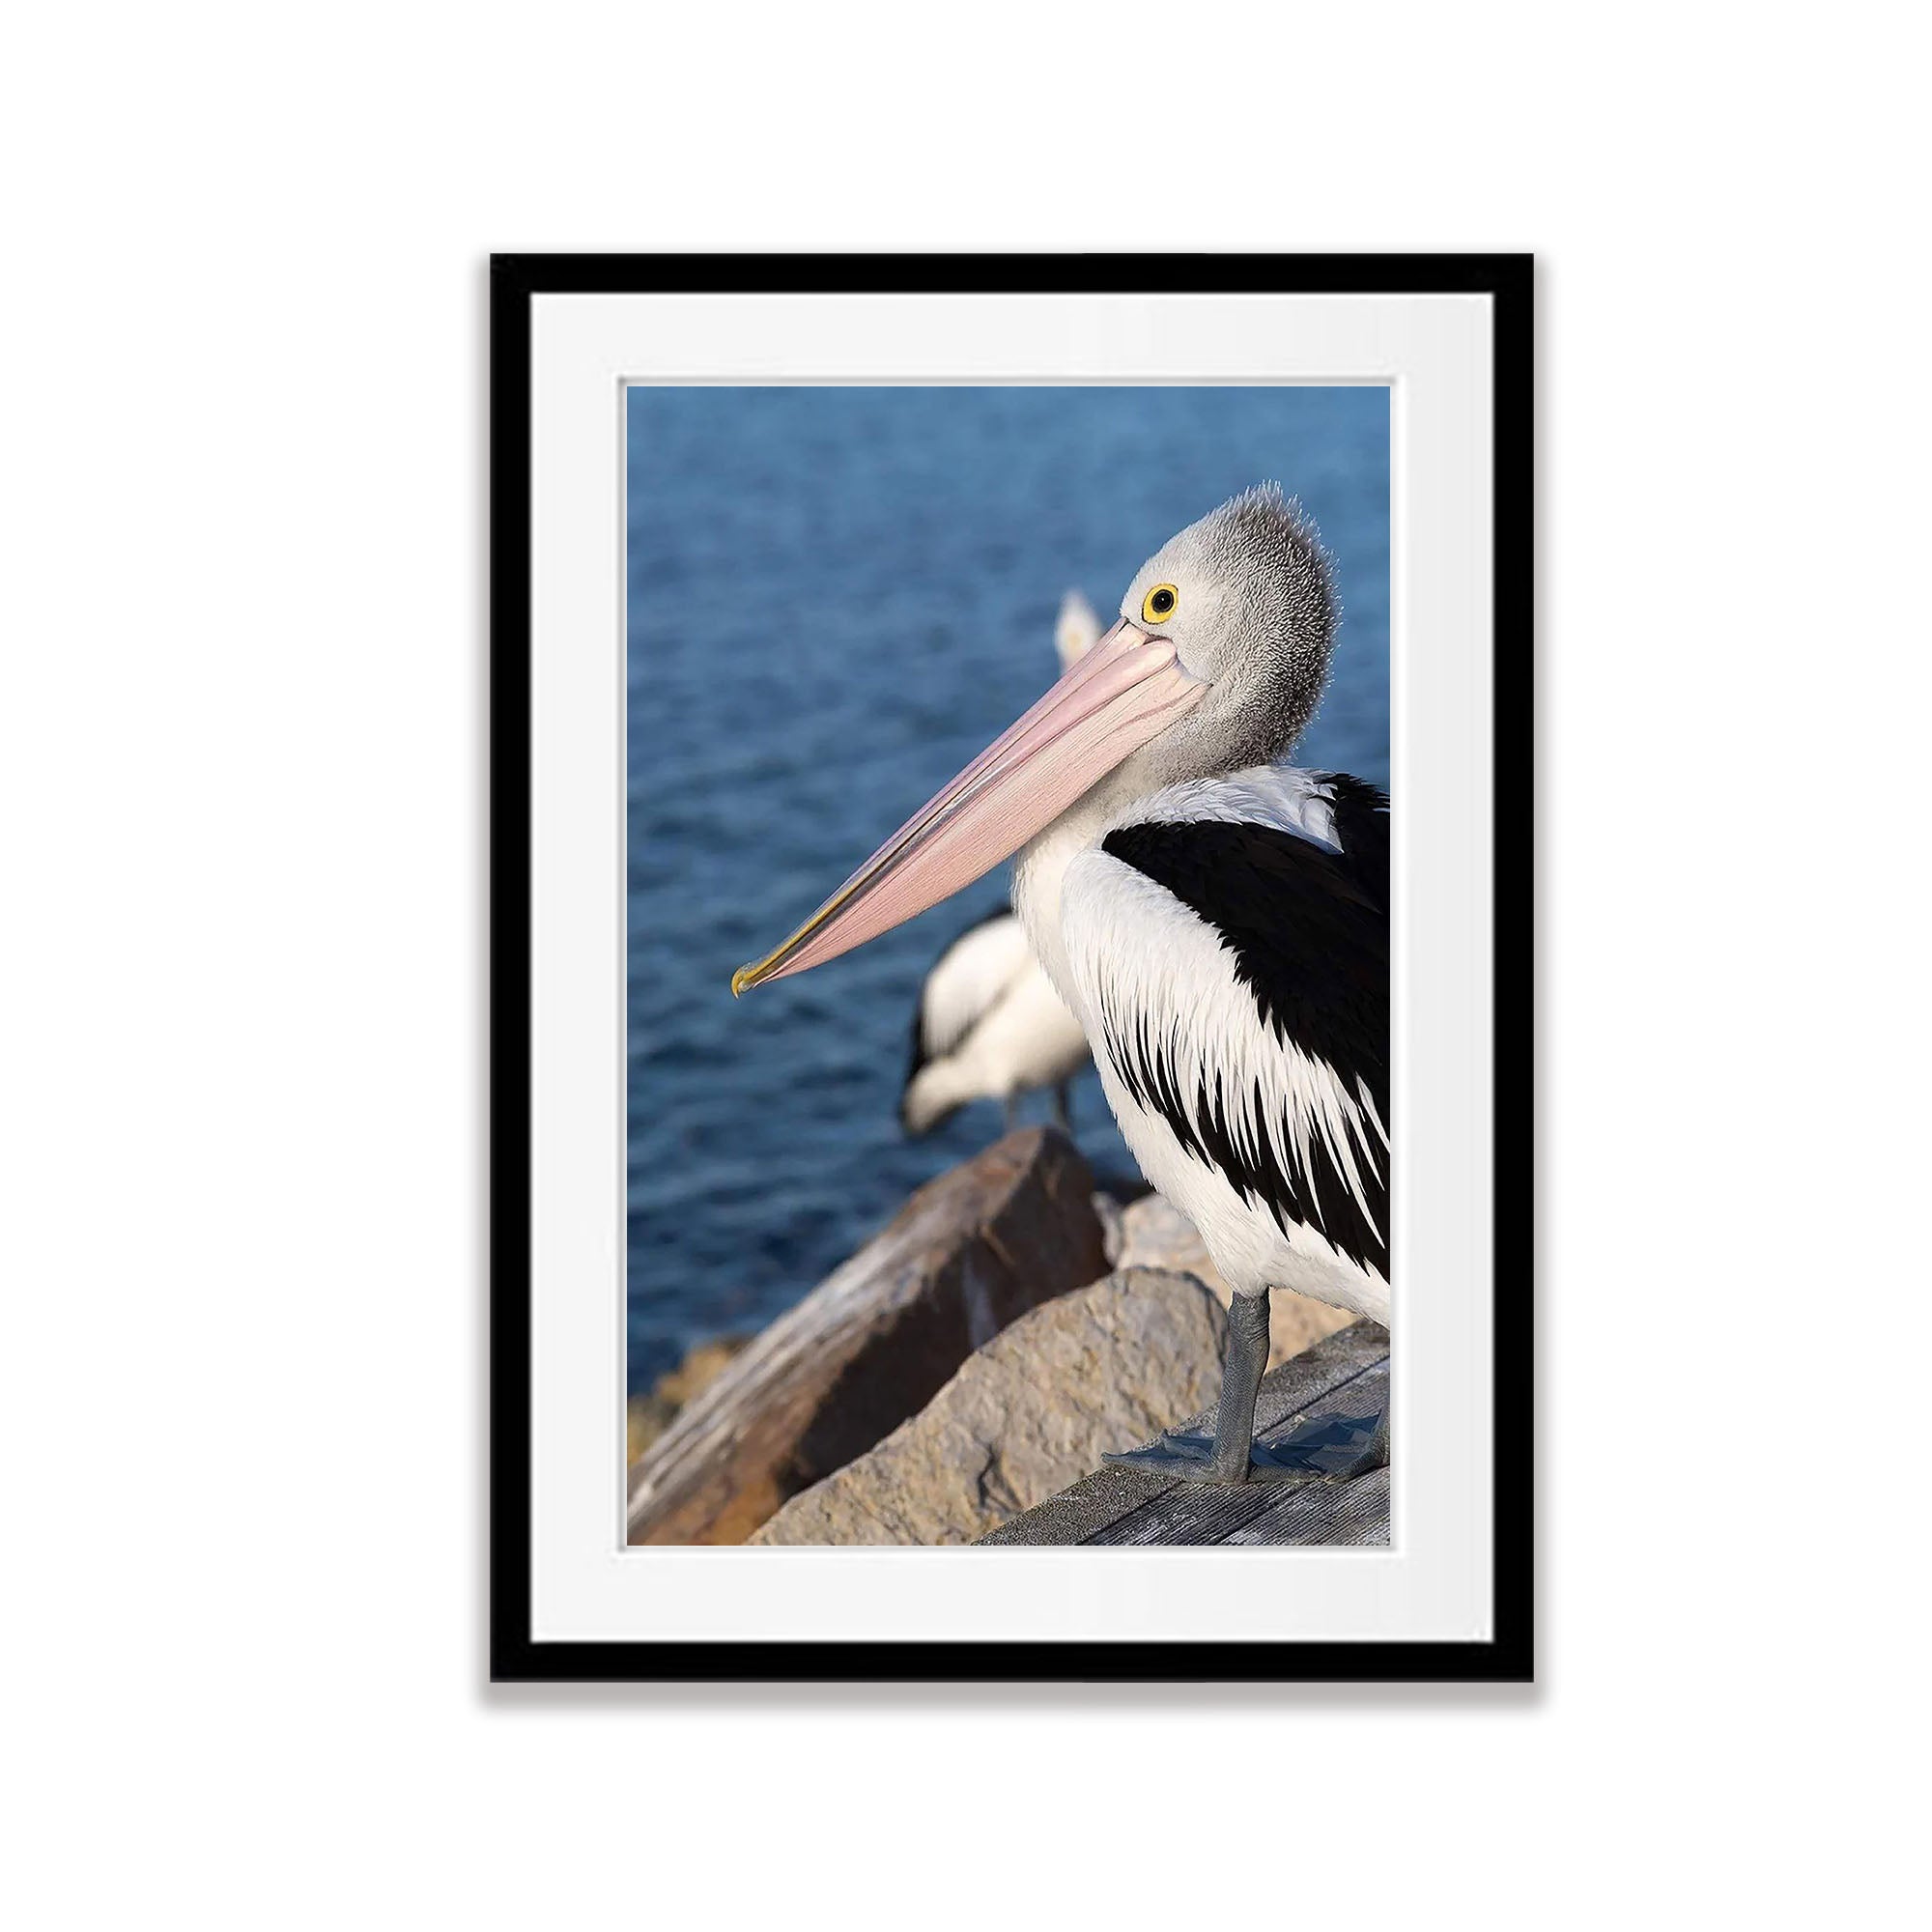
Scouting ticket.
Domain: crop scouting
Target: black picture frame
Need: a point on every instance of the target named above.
(516, 280)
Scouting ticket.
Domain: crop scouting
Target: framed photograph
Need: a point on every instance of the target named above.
(1011, 968)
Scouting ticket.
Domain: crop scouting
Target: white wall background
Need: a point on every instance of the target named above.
(239, 799)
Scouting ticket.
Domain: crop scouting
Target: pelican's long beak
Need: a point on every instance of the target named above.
(1127, 689)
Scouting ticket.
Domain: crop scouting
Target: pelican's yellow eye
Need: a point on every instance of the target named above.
(1159, 605)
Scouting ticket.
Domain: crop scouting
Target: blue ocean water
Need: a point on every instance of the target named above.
(837, 597)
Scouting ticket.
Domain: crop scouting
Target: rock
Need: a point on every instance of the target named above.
(1031, 1414)
(1155, 1233)
(874, 1341)
(648, 1416)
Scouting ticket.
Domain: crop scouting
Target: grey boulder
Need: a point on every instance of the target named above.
(1103, 1368)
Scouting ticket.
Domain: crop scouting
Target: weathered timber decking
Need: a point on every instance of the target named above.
(1328, 1399)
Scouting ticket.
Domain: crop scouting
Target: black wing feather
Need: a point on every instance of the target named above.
(1308, 928)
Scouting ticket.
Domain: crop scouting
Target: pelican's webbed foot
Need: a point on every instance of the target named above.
(1374, 1454)
(1178, 1459)
(1191, 1458)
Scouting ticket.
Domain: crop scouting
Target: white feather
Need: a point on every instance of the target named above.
(968, 980)
(1281, 796)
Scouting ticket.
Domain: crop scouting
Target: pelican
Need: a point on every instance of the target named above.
(1215, 918)
(989, 1025)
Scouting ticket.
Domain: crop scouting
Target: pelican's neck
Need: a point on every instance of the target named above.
(1039, 872)
(1280, 794)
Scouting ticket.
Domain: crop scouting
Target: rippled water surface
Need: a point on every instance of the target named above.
(836, 598)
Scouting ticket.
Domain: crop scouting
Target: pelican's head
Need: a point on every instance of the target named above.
(1217, 663)
(1245, 598)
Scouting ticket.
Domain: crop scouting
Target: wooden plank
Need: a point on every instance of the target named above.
(1329, 1430)
(1093, 1506)
(1331, 1513)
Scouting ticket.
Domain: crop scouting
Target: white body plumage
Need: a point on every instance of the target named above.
(1132, 960)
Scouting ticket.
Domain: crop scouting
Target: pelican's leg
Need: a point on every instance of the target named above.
(1231, 1455)
(1241, 1382)
(1228, 1457)
(1063, 1109)
(1013, 1107)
